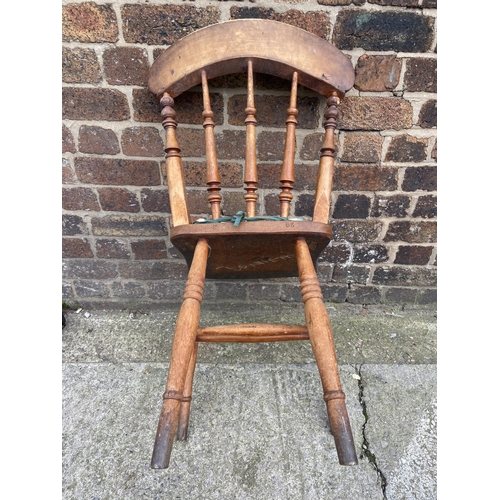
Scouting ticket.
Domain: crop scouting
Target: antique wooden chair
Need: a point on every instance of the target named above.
(248, 246)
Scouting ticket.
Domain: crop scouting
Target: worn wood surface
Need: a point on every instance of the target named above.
(275, 48)
(253, 332)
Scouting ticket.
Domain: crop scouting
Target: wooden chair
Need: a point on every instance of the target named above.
(249, 246)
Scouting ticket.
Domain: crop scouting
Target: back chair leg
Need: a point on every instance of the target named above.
(320, 334)
(182, 352)
(182, 428)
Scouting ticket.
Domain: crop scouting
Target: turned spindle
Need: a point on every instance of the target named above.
(287, 170)
(213, 178)
(175, 177)
(251, 149)
(326, 163)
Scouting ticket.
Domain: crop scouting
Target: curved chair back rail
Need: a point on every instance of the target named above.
(227, 47)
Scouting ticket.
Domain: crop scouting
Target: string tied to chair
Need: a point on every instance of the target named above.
(241, 216)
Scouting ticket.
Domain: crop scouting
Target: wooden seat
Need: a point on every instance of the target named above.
(248, 245)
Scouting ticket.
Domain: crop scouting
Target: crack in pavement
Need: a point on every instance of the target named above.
(366, 445)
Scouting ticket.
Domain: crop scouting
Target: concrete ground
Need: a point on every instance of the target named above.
(258, 427)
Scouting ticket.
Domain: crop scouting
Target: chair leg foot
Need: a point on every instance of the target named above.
(320, 335)
(165, 434)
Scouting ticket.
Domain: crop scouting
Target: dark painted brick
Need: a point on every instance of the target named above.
(76, 248)
(189, 107)
(111, 249)
(130, 225)
(270, 146)
(396, 3)
(67, 291)
(390, 206)
(427, 296)
(426, 207)
(364, 295)
(261, 291)
(232, 291)
(351, 274)
(149, 249)
(272, 204)
(94, 104)
(420, 178)
(337, 253)
(68, 176)
(118, 200)
(167, 290)
(164, 24)
(85, 288)
(73, 224)
(128, 290)
(304, 205)
(231, 144)
(290, 293)
(306, 177)
(406, 148)
(161, 270)
(421, 75)
(109, 171)
(97, 140)
(413, 255)
(89, 22)
(334, 293)
(373, 254)
(395, 295)
(383, 30)
(404, 276)
(80, 66)
(88, 269)
(412, 231)
(351, 206)
(311, 146)
(427, 117)
(356, 230)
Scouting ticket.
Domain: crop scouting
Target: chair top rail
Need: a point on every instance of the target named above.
(274, 48)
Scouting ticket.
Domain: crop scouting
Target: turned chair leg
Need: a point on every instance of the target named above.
(182, 427)
(182, 352)
(320, 335)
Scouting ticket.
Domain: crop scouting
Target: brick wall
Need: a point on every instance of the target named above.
(116, 248)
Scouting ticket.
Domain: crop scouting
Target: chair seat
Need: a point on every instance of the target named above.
(256, 249)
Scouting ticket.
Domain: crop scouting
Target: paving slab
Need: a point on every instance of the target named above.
(259, 427)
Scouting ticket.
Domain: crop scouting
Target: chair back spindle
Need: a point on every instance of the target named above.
(288, 169)
(326, 163)
(213, 178)
(251, 153)
(175, 172)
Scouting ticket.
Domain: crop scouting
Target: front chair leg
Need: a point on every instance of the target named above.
(182, 350)
(182, 428)
(320, 335)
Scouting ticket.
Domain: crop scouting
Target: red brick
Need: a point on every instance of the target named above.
(231, 144)
(79, 198)
(111, 249)
(270, 146)
(68, 176)
(233, 202)
(80, 66)
(375, 113)
(146, 106)
(126, 66)
(306, 177)
(396, 3)
(365, 178)
(142, 141)
(377, 73)
(118, 172)
(191, 142)
(73, 224)
(68, 144)
(97, 140)
(155, 200)
(89, 22)
(164, 24)
(195, 174)
(360, 147)
(149, 249)
(189, 108)
(118, 200)
(94, 104)
(317, 23)
(427, 117)
(76, 248)
(197, 201)
(88, 269)
(311, 146)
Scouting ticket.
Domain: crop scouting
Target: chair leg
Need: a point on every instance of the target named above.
(182, 427)
(320, 334)
(182, 349)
